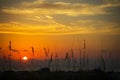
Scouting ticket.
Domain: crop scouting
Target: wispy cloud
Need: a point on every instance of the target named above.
(78, 27)
(37, 17)
(73, 9)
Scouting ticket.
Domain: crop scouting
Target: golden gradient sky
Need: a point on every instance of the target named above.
(60, 23)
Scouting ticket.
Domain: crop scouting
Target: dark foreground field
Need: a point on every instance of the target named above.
(36, 75)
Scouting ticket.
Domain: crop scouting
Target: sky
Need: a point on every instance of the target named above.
(59, 25)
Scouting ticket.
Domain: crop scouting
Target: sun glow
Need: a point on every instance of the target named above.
(25, 58)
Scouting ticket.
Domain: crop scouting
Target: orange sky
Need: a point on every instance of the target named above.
(57, 44)
(59, 25)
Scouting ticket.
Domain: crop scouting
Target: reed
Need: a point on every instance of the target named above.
(9, 56)
(47, 56)
(80, 55)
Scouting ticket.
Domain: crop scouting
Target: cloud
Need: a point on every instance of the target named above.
(96, 26)
(71, 9)
(49, 17)
(50, 26)
(54, 28)
(38, 17)
(111, 1)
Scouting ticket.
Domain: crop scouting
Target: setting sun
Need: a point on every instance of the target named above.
(25, 58)
(67, 35)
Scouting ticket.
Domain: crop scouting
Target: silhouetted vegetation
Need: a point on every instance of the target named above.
(74, 70)
(59, 75)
